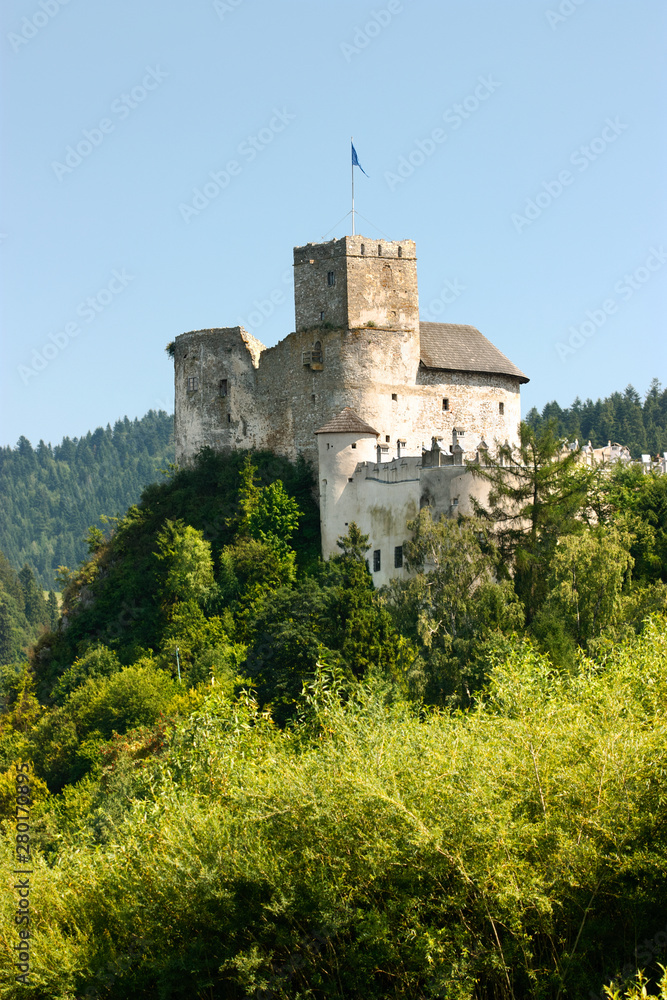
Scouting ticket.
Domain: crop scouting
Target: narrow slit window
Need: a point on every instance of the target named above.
(398, 557)
(400, 254)
(376, 561)
(445, 404)
(379, 249)
(223, 388)
(321, 316)
(501, 409)
(363, 249)
(331, 278)
(229, 418)
(387, 438)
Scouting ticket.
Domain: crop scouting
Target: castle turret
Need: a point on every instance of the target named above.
(356, 282)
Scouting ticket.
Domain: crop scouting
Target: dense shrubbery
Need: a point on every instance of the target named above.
(254, 775)
(369, 850)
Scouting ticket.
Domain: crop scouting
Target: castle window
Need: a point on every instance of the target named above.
(363, 249)
(354, 444)
(398, 557)
(193, 383)
(316, 353)
(331, 278)
(501, 409)
(229, 418)
(376, 561)
(222, 387)
(387, 438)
(394, 397)
(379, 249)
(445, 404)
(321, 316)
(400, 254)
(455, 501)
(350, 479)
(313, 397)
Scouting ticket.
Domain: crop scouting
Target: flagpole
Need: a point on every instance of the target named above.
(352, 168)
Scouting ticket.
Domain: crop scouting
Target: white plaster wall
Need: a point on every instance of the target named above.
(337, 464)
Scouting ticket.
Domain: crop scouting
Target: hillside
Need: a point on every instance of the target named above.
(249, 773)
(622, 417)
(52, 495)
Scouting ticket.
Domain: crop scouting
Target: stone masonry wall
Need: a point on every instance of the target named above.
(202, 415)
(280, 403)
(375, 281)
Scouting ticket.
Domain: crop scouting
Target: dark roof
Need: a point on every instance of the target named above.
(347, 422)
(460, 348)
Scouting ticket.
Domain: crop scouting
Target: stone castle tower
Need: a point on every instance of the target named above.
(417, 395)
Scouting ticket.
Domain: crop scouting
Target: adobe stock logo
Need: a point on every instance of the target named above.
(624, 288)
(249, 149)
(363, 36)
(121, 107)
(580, 158)
(455, 117)
(88, 310)
(31, 26)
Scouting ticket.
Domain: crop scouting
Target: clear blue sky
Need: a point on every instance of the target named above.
(484, 106)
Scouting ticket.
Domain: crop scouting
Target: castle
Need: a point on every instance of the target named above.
(386, 407)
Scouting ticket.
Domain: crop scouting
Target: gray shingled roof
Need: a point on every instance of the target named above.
(459, 348)
(347, 422)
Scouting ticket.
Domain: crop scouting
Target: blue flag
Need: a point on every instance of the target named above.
(355, 160)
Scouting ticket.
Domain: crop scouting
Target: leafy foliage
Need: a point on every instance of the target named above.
(515, 851)
(253, 774)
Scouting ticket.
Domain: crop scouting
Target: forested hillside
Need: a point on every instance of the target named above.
(52, 495)
(622, 417)
(24, 611)
(249, 773)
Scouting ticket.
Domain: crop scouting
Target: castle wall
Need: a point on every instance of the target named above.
(474, 402)
(339, 455)
(382, 497)
(203, 359)
(276, 401)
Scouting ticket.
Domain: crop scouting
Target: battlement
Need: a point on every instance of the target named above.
(356, 246)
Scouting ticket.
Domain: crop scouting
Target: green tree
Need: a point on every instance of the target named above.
(6, 639)
(451, 606)
(186, 563)
(536, 496)
(33, 600)
(587, 576)
(270, 514)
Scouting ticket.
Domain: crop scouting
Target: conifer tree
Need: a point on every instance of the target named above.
(536, 494)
